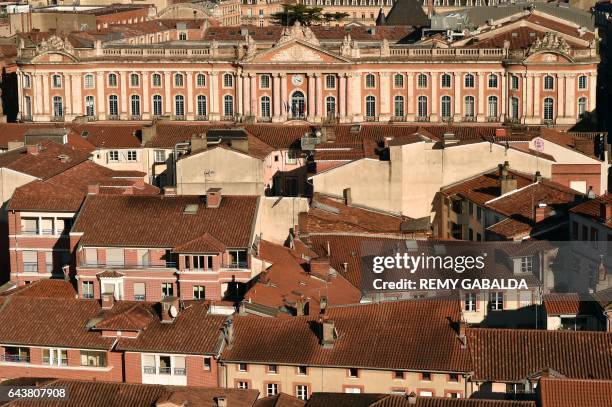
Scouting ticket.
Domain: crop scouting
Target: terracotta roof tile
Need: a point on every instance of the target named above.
(446, 402)
(592, 209)
(280, 400)
(575, 393)
(203, 244)
(45, 288)
(511, 355)
(569, 304)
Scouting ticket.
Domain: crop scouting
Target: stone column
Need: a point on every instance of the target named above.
(504, 83)
(246, 95)
(592, 83)
(342, 97)
(124, 111)
(435, 102)
(284, 96)
(457, 87)
(146, 102)
(167, 93)
(536, 97)
(524, 108)
(37, 93)
(77, 101)
(320, 100)
(239, 94)
(310, 109)
(355, 99)
(215, 113)
(410, 103)
(46, 97)
(480, 117)
(253, 80)
(100, 98)
(385, 96)
(21, 93)
(189, 113)
(276, 96)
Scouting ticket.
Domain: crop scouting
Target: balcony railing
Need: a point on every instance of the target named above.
(179, 117)
(166, 265)
(57, 118)
(398, 118)
(180, 371)
(30, 267)
(202, 118)
(236, 265)
(139, 297)
(422, 118)
(468, 119)
(149, 370)
(113, 117)
(265, 119)
(371, 118)
(14, 358)
(492, 119)
(165, 370)
(88, 296)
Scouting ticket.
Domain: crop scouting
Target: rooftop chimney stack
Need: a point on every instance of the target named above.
(32, 149)
(537, 177)
(507, 182)
(93, 189)
(412, 397)
(328, 337)
(169, 191)
(320, 267)
(213, 198)
(169, 309)
(221, 401)
(108, 300)
(605, 210)
(540, 212)
(323, 304)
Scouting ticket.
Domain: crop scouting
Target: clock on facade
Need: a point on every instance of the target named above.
(297, 80)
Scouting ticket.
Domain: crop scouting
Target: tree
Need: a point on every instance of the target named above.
(305, 15)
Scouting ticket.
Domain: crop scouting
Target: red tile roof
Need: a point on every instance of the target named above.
(511, 355)
(203, 244)
(108, 135)
(280, 400)
(368, 336)
(161, 221)
(592, 209)
(568, 304)
(127, 316)
(446, 402)
(45, 288)
(575, 393)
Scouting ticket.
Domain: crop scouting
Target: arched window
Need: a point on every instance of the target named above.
(157, 105)
(134, 80)
(265, 106)
(514, 108)
(468, 108)
(493, 81)
(370, 81)
(135, 104)
(179, 80)
(370, 106)
(156, 79)
(112, 80)
(56, 81)
(200, 80)
(582, 82)
(228, 105)
(330, 105)
(549, 110)
(58, 107)
(298, 105)
(201, 105)
(330, 82)
(422, 80)
(89, 81)
(182, 36)
(228, 81)
(113, 105)
(422, 106)
(398, 104)
(264, 81)
(514, 82)
(492, 107)
(89, 106)
(582, 106)
(446, 81)
(446, 107)
(179, 105)
(398, 80)
(549, 82)
(469, 80)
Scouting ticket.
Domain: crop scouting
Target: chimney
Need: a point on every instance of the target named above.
(328, 329)
(605, 210)
(301, 307)
(148, 133)
(537, 177)
(199, 143)
(346, 194)
(213, 197)
(503, 169)
(320, 266)
(93, 189)
(169, 191)
(221, 401)
(412, 397)
(228, 331)
(461, 333)
(540, 212)
(322, 304)
(508, 184)
(108, 300)
(169, 307)
(33, 149)
(500, 132)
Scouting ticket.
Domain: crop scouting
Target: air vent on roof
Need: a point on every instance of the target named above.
(85, 134)
(190, 209)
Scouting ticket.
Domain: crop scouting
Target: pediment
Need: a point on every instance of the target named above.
(550, 57)
(296, 52)
(53, 56)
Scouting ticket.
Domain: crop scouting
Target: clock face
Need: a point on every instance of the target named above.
(297, 80)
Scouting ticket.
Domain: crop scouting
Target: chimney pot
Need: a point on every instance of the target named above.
(538, 176)
(213, 197)
(541, 211)
(221, 401)
(605, 210)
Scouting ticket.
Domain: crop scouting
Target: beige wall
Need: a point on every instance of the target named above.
(277, 215)
(11, 180)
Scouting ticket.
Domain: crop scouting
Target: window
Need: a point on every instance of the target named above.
(112, 80)
(271, 389)
(445, 81)
(514, 108)
(370, 81)
(134, 80)
(399, 106)
(56, 81)
(422, 81)
(301, 392)
(113, 105)
(27, 82)
(272, 369)
(167, 290)
(242, 367)
(157, 105)
(446, 107)
(228, 105)
(242, 385)
(549, 82)
(201, 105)
(426, 376)
(548, 109)
(132, 156)
(264, 81)
(353, 372)
(492, 106)
(265, 106)
(470, 302)
(160, 156)
(493, 81)
(140, 293)
(370, 106)
(89, 81)
(469, 80)
(582, 82)
(422, 106)
(453, 377)
(207, 363)
(527, 264)
(198, 292)
(330, 82)
(398, 80)
(468, 107)
(330, 105)
(58, 107)
(156, 80)
(55, 357)
(582, 106)
(93, 359)
(183, 36)
(113, 156)
(496, 300)
(514, 82)
(135, 104)
(398, 374)
(88, 289)
(17, 354)
(200, 80)
(27, 108)
(89, 106)
(302, 370)
(178, 80)
(238, 259)
(179, 105)
(228, 80)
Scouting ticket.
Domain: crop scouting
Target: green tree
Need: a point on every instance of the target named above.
(305, 15)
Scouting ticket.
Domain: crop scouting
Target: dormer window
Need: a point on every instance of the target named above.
(527, 264)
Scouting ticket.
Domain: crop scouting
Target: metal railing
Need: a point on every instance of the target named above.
(236, 265)
(30, 267)
(149, 370)
(138, 297)
(180, 371)
(422, 118)
(166, 265)
(165, 370)
(15, 358)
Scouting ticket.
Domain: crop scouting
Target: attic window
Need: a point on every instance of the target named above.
(190, 209)
(85, 134)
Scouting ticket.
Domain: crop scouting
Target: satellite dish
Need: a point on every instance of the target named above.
(173, 311)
